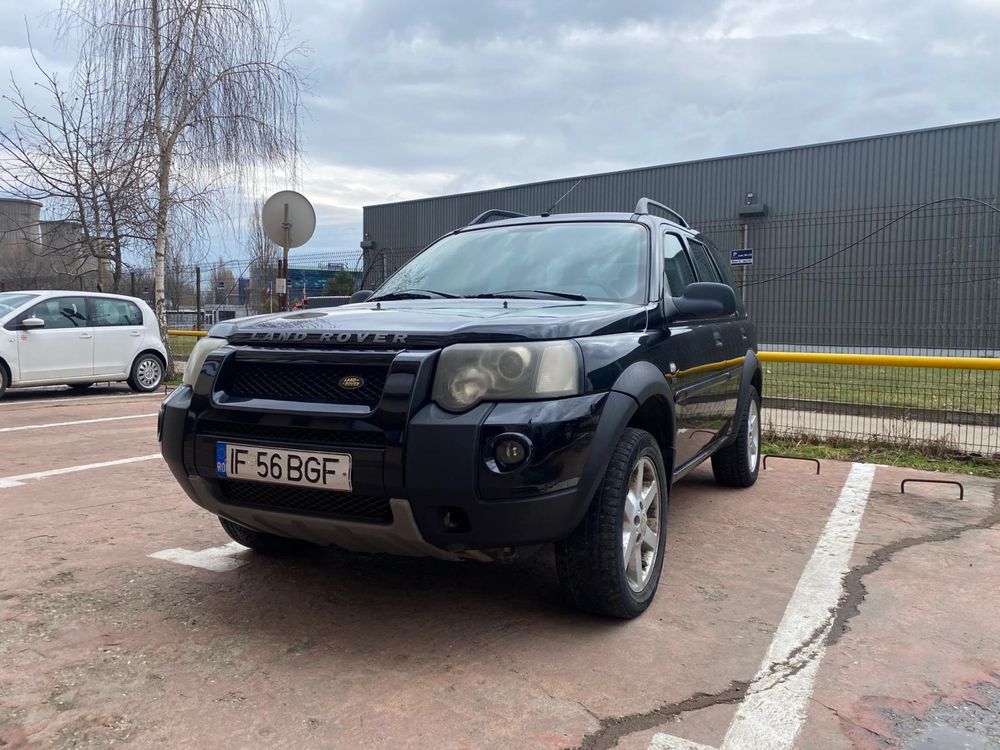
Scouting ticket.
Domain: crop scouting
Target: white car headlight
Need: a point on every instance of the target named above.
(201, 350)
(470, 373)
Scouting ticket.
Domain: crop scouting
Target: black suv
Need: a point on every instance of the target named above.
(525, 380)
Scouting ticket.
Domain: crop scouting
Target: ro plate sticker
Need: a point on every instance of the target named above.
(220, 459)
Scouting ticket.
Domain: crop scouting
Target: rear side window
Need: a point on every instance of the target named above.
(704, 268)
(61, 312)
(115, 312)
(676, 265)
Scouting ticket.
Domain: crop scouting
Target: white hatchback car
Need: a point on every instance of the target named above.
(79, 338)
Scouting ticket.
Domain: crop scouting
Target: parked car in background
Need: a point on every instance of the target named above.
(79, 338)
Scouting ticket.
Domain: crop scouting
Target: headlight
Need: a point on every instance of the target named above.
(470, 373)
(201, 350)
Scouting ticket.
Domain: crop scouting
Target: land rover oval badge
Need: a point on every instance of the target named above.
(351, 382)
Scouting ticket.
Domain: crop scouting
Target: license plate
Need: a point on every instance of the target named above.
(330, 471)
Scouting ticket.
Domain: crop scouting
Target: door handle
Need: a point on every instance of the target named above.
(136, 333)
(86, 335)
(718, 338)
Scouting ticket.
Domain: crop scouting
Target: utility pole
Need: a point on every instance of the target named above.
(197, 297)
(741, 242)
(283, 281)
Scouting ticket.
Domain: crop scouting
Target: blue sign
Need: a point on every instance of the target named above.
(743, 257)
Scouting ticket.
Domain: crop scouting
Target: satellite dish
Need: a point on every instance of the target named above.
(288, 219)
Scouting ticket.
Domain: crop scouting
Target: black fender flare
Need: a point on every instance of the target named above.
(751, 366)
(639, 382)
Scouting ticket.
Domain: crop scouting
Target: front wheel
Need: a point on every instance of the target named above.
(611, 563)
(738, 464)
(147, 374)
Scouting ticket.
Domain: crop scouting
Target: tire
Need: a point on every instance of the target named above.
(258, 541)
(81, 387)
(4, 380)
(738, 464)
(147, 373)
(591, 562)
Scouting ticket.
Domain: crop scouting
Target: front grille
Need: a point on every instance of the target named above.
(306, 501)
(282, 435)
(307, 381)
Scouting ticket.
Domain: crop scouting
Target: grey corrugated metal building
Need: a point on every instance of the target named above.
(930, 280)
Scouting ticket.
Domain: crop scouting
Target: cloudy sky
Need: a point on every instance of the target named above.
(408, 99)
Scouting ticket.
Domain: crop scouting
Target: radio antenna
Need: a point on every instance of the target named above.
(549, 209)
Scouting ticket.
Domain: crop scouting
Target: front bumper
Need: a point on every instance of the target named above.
(427, 466)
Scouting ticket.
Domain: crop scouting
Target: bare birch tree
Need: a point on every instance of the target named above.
(217, 80)
(84, 157)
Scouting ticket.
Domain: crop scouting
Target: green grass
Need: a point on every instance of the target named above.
(954, 390)
(924, 458)
(181, 346)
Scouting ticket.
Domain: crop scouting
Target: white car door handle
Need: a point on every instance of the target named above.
(86, 335)
(136, 333)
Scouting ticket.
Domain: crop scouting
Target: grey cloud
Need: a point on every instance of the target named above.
(414, 98)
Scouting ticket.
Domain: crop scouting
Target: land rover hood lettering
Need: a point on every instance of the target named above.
(328, 337)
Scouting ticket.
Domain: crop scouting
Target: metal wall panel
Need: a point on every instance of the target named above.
(921, 284)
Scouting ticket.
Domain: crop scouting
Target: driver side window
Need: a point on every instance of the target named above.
(61, 312)
(676, 265)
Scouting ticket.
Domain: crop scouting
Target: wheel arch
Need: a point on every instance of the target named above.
(751, 376)
(7, 371)
(639, 398)
(655, 415)
(154, 352)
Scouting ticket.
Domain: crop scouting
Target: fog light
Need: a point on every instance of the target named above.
(510, 451)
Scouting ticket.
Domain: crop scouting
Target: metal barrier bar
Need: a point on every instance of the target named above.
(763, 463)
(173, 332)
(961, 487)
(883, 360)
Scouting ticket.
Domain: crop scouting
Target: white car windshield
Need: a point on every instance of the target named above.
(10, 301)
(578, 260)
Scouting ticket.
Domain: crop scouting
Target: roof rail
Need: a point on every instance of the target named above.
(642, 207)
(487, 215)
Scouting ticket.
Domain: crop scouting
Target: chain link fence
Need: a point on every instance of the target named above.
(903, 280)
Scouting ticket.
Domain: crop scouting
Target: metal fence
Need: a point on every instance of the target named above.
(901, 280)
(200, 295)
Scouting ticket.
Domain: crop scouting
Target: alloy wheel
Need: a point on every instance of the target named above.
(641, 523)
(753, 435)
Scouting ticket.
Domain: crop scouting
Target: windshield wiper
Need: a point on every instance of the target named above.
(414, 294)
(529, 294)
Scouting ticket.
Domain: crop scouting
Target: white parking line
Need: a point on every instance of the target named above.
(774, 710)
(41, 403)
(79, 421)
(217, 559)
(19, 479)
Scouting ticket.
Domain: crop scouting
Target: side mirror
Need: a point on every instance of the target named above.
(32, 323)
(360, 296)
(705, 300)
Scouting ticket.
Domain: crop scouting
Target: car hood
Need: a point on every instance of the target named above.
(431, 323)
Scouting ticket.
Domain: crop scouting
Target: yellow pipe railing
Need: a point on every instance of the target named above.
(176, 332)
(883, 360)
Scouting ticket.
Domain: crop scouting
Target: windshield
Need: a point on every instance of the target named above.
(596, 261)
(11, 301)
